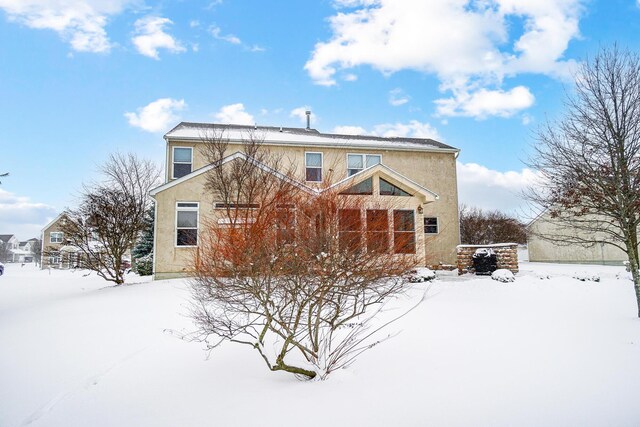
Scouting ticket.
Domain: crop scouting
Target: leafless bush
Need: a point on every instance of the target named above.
(299, 276)
(478, 227)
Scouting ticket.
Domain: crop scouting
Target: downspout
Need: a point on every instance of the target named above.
(155, 235)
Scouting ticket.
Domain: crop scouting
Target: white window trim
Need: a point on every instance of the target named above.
(175, 227)
(56, 233)
(364, 160)
(437, 225)
(173, 160)
(314, 167)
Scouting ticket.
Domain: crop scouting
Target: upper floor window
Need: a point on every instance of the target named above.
(358, 162)
(313, 167)
(182, 161)
(56, 236)
(187, 223)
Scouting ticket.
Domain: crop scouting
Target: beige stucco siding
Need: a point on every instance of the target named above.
(541, 250)
(170, 258)
(47, 246)
(435, 171)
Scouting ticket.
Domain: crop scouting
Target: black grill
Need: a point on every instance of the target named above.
(485, 261)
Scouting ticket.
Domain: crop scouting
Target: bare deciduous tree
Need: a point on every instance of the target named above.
(5, 251)
(298, 276)
(37, 251)
(590, 159)
(110, 215)
(478, 227)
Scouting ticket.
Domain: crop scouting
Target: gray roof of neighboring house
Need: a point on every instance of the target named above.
(6, 237)
(303, 136)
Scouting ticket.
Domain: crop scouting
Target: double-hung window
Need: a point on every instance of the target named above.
(313, 167)
(358, 162)
(54, 258)
(187, 223)
(404, 239)
(182, 161)
(56, 236)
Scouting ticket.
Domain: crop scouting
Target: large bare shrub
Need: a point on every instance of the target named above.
(297, 275)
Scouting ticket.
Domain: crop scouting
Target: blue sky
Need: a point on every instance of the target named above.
(84, 78)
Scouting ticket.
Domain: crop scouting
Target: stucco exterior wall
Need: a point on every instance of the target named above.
(435, 171)
(541, 250)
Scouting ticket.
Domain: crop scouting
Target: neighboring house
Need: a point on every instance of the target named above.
(418, 175)
(8, 245)
(58, 253)
(55, 252)
(26, 251)
(543, 250)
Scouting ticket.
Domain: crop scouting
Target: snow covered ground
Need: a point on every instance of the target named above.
(539, 351)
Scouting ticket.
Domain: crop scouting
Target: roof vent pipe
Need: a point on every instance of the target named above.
(308, 113)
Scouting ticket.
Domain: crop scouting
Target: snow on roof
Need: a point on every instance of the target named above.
(302, 136)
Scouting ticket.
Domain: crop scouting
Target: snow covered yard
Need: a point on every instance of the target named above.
(551, 351)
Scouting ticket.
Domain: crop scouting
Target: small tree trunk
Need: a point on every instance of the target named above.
(632, 252)
(635, 274)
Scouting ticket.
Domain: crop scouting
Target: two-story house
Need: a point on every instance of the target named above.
(418, 174)
(55, 252)
(9, 243)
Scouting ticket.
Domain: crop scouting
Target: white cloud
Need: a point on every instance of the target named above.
(234, 114)
(397, 97)
(349, 130)
(301, 114)
(216, 32)
(483, 103)
(158, 115)
(80, 22)
(22, 217)
(486, 46)
(490, 189)
(411, 129)
(150, 36)
(350, 77)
